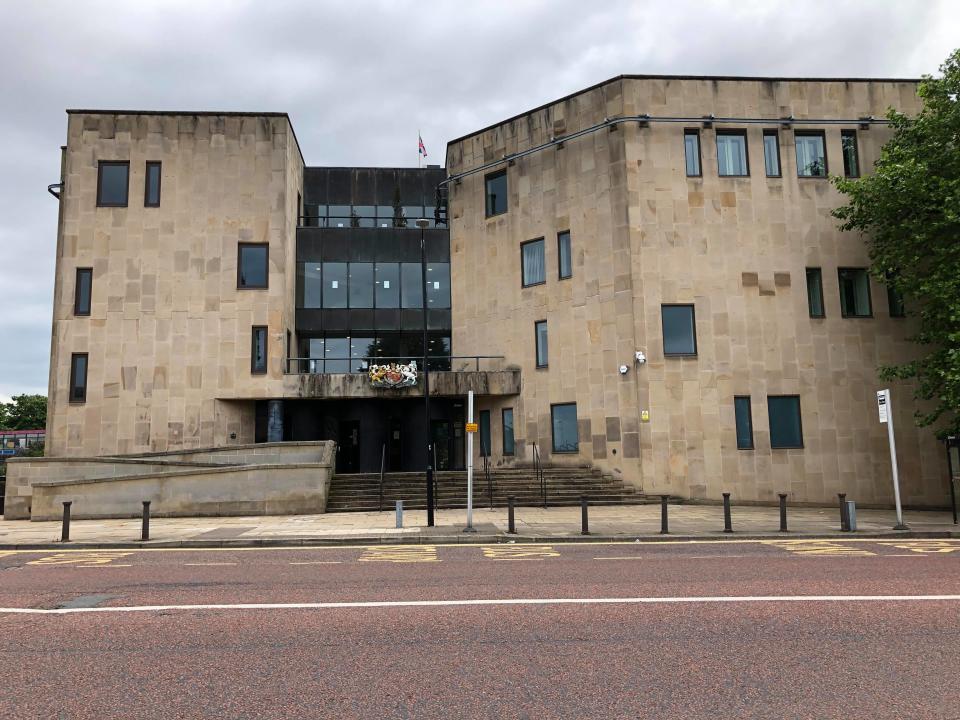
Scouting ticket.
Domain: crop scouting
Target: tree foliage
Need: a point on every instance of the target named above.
(909, 212)
(24, 412)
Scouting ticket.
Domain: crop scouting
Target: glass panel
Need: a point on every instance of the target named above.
(744, 423)
(411, 285)
(312, 287)
(336, 355)
(540, 331)
(533, 263)
(258, 359)
(438, 348)
(496, 188)
(253, 266)
(815, 292)
(811, 159)
(413, 213)
(854, 292)
(82, 299)
(565, 437)
(390, 346)
(113, 184)
(679, 333)
(508, 443)
(360, 348)
(387, 283)
(785, 430)
(339, 216)
(851, 160)
(315, 352)
(691, 150)
(361, 285)
(771, 154)
(384, 216)
(565, 255)
(334, 285)
(78, 378)
(152, 194)
(438, 286)
(731, 154)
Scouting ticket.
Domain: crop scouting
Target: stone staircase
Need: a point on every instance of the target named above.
(564, 487)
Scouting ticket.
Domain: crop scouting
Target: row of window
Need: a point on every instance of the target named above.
(783, 412)
(372, 285)
(855, 301)
(366, 216)
(533, 260)
(563, 423)
(350, 354)
(113, 184)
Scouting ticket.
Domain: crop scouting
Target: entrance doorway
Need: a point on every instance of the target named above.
(395, 445)
(442, 443)
(348, 451)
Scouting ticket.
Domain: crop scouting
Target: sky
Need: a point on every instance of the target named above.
(360, 79)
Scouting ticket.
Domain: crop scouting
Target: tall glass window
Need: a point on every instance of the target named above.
(815, 292)
(744, 421)
(438, 286)
(113, 183)
(151, 185)
(679, 330)
(252, 265)
(691, 152)
(312, 285)
(785, 427)
(82, 292)
(732, 153)
(508, 443)
(336, 355)
(533, 263)
(361, 285)
(484, 433)
(564, 421)
(496, 191)
(387, 281)
(540, 335)
(854, 292)
(258, 350)
(411, 285)
(335, 285)
(564, 255)
(771, 153)
(811, 154)
(361, 348)
(851, 155)
(78, 377)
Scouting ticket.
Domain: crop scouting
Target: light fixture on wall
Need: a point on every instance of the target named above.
(624, 369)
(640, 357)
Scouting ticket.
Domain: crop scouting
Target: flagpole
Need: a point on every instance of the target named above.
(418, 149)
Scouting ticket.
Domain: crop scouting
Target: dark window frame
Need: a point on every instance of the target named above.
(486, 194)
(739, 132)
(799, 423)
(856, 153)
(695, 132)
(693, 316)
(254, 368)
(74, 397)
(266, 278)
(560, 275)
(536, 344)
(146, 182)
(752, 445)
(485, 433)
(844, 314)
(523, 269)
(826, 160)
(77, 310)
(775, 134)
(111, 163)
(823, 307)
(503, 432)
(553, 437)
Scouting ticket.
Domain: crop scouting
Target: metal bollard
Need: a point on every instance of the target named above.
(584, 526)
(511, 525)
(783, 512)
(727, 523)
(851, 516)
(399, 513)
(664, 522)
(145, 528)
(844, 519)
(65, 530)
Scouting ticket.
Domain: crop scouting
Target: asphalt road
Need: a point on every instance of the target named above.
(796, 629)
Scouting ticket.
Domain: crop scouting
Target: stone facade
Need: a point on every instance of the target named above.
(644, 234)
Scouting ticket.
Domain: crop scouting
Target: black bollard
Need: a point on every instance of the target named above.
(844, 519)
(584, 525)
(511, 525)
(664, 522)
(727, 523)
(145, 529)
(65, 531)
(783, 512)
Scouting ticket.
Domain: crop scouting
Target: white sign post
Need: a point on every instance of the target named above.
(886, 417)
(469, 527)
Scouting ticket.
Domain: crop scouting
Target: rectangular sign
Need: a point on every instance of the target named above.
(472, 427)
(882, 405)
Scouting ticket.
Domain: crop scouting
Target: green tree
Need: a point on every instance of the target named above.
(909, 212)
(24, 412)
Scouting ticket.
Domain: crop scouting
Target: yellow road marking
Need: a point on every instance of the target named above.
(400, 553)
(928, 546)
(519, 552)
(89, 558)
(817, 547)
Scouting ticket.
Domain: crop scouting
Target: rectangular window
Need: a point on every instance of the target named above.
(411, 285)
(336, 355)
(311, 285)
(771, 153)
(815, 293)
(82, 292)
(252, 265)
(691, 152)
(151, 185)
(854, 292)
(533, 263)
(258, 350)
(744, 418)
(360, 349)
(496, 186)
(851, 155)
(679, 330)
(564, 255)
(361, 285)
(334, 285)
(811, 153)
(564, 421)
(438, 286)
(508, 443)
(540, 333)
(78, 377)
(485, 433)
(387, 285)
(113, 183)
(732, 153)
(786, 430)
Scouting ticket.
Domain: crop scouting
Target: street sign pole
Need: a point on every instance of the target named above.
(470, 527)
(886, 416)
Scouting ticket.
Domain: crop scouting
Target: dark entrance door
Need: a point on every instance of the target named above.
(442, 443)
(395, 445)
(348, 451)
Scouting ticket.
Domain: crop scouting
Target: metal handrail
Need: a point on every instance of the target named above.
(538, 471)
(486, 471)
(381, 358)
(383, 458)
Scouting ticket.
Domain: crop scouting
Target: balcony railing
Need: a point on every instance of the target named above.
(329, 365)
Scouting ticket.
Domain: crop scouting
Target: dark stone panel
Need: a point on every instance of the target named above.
(361, 320)
(339, 186)
(631, 445)
(437, 244)
(336, 320)
(309, 320)
(439, 320)
(387, 319)
(599, 446)
(411, 320)
(364, 188)
(613, 429)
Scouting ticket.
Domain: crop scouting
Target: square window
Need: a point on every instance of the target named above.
(564, 422)
(496, 190)
(252, 265)
(851, 154)
(691, 152)
(540, 333)
(151, 185)
(815, 293)
(811, 154)
(508, 441)
(732, 153)
(533, 263)
(113, 183)
(258, 350)
(78, 377)
(771, 153)
(744, 421)
(854, 292)
(82, 292)
(679, 330)
(564, 255)
(785, 427)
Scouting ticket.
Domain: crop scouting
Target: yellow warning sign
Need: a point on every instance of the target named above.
(472, 427)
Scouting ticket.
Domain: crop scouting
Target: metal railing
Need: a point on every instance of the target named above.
(346, 365)
(383, 458)
(485, 455)
(538, 472)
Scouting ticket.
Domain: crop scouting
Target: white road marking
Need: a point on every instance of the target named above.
(318, 562)
(209, 563)
(491, 601)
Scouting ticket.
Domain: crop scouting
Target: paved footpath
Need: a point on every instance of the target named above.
(532, 525)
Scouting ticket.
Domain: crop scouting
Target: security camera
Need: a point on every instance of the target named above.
(624, 369)
(640, 357)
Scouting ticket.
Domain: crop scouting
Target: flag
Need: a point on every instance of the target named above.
(422, 150)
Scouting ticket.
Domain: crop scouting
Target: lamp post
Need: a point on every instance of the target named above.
(423, 223)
